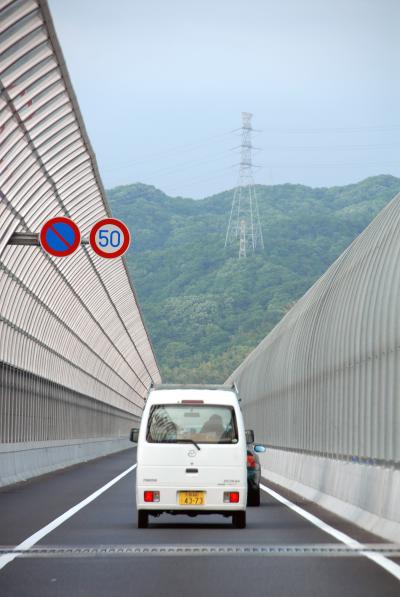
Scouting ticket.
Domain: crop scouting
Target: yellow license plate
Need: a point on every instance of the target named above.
(192, 498)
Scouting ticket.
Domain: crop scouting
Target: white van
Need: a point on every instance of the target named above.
(191, 456)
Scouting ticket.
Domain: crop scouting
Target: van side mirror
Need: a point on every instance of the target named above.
(134, 435)
(249, 436)
(259, 448)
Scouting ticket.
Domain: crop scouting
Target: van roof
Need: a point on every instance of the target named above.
(171, 393)
(172, 386)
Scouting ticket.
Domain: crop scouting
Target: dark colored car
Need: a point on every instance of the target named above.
(253, 469)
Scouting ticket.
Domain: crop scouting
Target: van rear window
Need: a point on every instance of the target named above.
(199, 423)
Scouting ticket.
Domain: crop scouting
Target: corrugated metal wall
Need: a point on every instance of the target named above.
(75, 356)
(326, 380)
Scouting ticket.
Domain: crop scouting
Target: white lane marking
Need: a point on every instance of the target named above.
(388, 565)
(33, 539)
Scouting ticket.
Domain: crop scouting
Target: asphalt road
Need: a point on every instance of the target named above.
(110, 520)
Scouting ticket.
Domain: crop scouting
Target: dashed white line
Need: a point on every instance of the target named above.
(387, 564)
(33, 539)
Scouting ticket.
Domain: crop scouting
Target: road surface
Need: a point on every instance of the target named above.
(96, 549)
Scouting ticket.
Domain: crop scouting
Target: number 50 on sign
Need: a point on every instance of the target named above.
(110, 238)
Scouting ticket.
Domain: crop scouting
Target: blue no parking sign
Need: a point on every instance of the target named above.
(60, 237)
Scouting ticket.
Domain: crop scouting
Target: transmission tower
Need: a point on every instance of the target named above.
(244, 228)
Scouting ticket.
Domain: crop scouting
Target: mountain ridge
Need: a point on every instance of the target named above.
(205, 309)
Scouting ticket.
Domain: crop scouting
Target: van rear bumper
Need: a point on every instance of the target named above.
(169, 500)
(191, 513)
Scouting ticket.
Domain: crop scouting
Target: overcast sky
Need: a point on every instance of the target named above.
(162, 83)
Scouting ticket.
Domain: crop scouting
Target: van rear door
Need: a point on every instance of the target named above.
(192, 444)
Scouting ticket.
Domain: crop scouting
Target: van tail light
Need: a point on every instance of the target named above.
(231, 497)
(251, 461)
(151, 496)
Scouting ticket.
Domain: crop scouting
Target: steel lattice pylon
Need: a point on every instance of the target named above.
(244, 228)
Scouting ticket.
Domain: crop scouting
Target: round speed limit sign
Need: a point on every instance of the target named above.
(110, 238)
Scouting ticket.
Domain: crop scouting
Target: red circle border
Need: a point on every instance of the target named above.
(125, 245)
(46, 246)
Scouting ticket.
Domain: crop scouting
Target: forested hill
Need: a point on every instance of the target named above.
(204, 308)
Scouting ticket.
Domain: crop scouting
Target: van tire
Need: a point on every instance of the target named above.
(239, 519)
(142, 519)
(253, 497)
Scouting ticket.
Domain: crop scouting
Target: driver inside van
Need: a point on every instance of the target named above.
(214, 426)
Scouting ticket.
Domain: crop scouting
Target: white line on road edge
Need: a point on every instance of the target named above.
(33, 539)
(388, 565)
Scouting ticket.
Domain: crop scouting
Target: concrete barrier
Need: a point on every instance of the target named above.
(22, 461)
(365, 494)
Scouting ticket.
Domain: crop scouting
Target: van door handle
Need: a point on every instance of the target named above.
(192, 470)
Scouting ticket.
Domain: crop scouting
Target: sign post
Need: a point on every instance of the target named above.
(109, 238)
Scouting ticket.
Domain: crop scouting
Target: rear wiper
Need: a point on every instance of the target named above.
(184, 441)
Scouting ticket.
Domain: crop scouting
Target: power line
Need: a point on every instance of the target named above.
(167, 152)
(349, 129)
